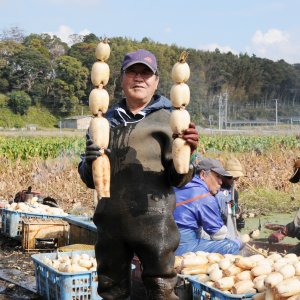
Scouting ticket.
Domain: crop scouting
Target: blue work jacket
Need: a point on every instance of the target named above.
(202, 213)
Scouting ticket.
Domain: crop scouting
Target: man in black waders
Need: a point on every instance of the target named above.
(138, 216)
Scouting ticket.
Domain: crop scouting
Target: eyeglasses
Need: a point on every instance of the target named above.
(145, 74)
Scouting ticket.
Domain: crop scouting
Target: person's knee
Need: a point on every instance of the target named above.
(233, 247)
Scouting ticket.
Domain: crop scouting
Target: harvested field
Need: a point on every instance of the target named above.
(266, 187)
(58, 178)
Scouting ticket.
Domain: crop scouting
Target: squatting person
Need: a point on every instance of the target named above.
(197, 212)
(291, 229)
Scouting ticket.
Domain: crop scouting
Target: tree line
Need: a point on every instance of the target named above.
(40, 69)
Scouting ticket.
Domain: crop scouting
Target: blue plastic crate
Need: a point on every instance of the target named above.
(12, 221)
(54, 285)
(201, 291)
(82, 230)
(85, 222)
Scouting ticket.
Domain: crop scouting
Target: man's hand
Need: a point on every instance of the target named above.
(92, 151)
(274, 227)
(278, 235)
(191, 136)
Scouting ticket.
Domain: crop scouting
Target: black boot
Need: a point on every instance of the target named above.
(108, 290)
(160, 288)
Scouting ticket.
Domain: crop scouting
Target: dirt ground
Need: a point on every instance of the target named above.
(11, 291)
(17, 281)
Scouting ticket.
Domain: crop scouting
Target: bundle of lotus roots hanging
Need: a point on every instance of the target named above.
(180, 118)
(272, 276)
(99, 125)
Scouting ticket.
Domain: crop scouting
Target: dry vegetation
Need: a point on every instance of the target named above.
(265, 187)
(57, 178)
(271, 170)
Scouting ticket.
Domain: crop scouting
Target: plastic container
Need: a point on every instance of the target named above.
(12, 221)
(200, 291)
(82, 230)
(54, 285)
(183, 288)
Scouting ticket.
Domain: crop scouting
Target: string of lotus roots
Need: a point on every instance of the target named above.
(99, 125)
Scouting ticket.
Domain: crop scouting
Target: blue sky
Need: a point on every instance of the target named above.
(266, 28)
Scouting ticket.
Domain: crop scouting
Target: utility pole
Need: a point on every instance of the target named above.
(220, 110)
(210, 119)
(276, 112)
(223, 99)
(226, 102)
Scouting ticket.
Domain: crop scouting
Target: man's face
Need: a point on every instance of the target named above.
(212, 179)
(228, 181)
(139, 83)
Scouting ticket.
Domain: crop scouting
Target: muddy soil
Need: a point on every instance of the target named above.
(283, 219)
(17, 281)
(10, 291)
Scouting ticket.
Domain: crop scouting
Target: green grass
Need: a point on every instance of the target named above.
(26, 148)
(39, 116)
(241, 143)
(264, 201)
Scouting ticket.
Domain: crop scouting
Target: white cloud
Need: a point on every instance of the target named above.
(272, 44)
(64, 33)
(276, 44)
(272, 36)
(84, 32)
(167, 30)
(212, 47)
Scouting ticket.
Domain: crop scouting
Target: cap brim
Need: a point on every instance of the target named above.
(221, 172)
(296, 176)
(236, 173)
(139, 62)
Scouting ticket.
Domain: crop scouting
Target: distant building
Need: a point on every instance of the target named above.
(31, 127)
(75, 122)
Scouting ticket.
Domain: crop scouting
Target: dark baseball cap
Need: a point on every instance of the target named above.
(209, 164)
(140, 56)
(296, 176)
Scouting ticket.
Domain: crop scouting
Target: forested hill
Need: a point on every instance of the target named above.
(42, 71)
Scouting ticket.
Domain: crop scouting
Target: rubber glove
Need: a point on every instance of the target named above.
(191, 136)
(278, 235)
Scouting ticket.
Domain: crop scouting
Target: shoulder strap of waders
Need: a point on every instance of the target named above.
(193, 199)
